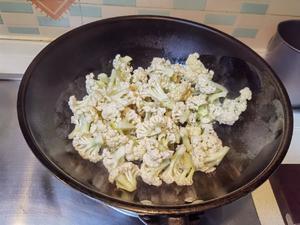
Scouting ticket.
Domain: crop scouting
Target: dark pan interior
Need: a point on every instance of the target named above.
(59, 71)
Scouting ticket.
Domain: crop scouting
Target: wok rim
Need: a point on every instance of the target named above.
(155, 209)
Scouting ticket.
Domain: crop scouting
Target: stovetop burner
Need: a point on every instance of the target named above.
(30, 195)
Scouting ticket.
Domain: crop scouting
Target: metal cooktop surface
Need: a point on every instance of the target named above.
(30, 195)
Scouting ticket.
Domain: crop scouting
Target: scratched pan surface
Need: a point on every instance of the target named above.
(258, 141)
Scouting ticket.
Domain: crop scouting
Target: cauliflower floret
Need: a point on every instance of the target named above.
(98, 85)
(181, 168)
(151, 109)
(134, 150)
(112, 160)
(113, 138)
(84, 115)
(139, 75)
(194, 69)
(155, 92)
(195, 64)
(172, 131)
(150, 175)
(88, 147)
(160, 71)
(180, 112)
(229, 111)
(123, 68)
(180, 91)
(160, 66)
(207, 151)
(84, 107)
(82, 126)
(193, 102)
(205, 85)
(111, 111)
(154, 153)
(125, 176)
(150, 127)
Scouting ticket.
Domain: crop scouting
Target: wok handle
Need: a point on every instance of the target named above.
(170, 220)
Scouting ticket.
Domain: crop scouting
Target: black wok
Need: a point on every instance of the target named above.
(258, 141)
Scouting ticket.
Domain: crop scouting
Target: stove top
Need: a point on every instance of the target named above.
(31, 195)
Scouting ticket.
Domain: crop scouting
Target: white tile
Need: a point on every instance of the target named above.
(250, 20)
(19, 19)
(3, 30)
(52, 32)
(168, 4)
(75, 21)
(224, 28)
(112, 11)
(288, 7)
(90, 19)
(224, 5)
(196, 16)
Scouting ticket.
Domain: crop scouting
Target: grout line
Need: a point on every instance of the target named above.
(25, 38)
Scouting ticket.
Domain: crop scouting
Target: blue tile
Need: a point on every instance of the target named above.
(23, 30)
(245, 32)
(254, 8)
(154, 12)
(120, 2)
(217, 19)
(1, 21)
(189, 4)
(16, 7)
(47, 21)
(85, 10)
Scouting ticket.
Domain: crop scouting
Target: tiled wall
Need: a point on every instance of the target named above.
(252, 21)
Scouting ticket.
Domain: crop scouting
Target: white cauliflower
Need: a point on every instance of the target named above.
(207, 150)
(125, 176)
(195, 68)
(180, 112)
(181, 168)
(179, 91)
(193, 102)
(113, 138)
(151, 109)
(156, 123)
(131, 116)
(205, 86)
(155, 91)
(88, 147)
(111, 111)
(229, 110)
(150, 127)
(155, 153)
(122, 67)
(171, 131)
(150, 175)
(195, 64)
(112, 160)
(96, 86)
(139, 75)
(134, 150)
